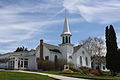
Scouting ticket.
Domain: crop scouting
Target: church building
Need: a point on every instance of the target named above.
(66, 51)
(77, 55)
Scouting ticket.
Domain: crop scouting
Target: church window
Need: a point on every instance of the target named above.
(81, 60)
(46, 57)
(86, 59)
(56, 58)
(83, 52)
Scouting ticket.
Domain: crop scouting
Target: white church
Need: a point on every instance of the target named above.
(77, 55)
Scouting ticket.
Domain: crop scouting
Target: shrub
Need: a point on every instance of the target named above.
(84, 69)
(95, 72)
(75, 69)
(46, 65)
(67, 71)
(60, 64)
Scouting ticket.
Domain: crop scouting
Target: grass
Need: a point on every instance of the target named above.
(7, 75)
(80, 75)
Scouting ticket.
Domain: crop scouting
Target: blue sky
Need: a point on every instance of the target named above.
(25, 22)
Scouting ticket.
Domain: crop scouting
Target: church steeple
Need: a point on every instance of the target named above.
(66, 35)
(66, 29)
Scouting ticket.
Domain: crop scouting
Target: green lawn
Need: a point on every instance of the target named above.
(84, 75)
(7, 75)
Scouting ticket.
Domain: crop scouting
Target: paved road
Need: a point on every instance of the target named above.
(53, 76)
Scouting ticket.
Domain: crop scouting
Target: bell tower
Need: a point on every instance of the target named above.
(66, 47)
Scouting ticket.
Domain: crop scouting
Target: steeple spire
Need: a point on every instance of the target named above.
(66, 34)
(66, 29)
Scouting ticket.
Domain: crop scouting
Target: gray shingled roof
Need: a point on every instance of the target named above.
(76, 48)
(52, 48)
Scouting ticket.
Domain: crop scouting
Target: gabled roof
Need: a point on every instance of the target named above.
(52, 48)
(76, 48)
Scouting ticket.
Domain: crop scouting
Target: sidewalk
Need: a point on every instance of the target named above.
(53, 76)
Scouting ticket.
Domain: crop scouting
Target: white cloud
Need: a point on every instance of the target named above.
(22, 31)
(21, 20)
(4, 51)
(100, 11)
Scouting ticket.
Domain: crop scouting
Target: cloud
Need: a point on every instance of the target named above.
(3, 51)
(100, 11)
(22, 19)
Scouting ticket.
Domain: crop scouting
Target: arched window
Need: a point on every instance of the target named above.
(81, 60)
(83, 52)
(56, 58)
(86, 59)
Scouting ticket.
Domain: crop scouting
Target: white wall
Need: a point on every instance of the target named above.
(66, 50)
(76, 58)
(51, 55)
(32, 63)
(16, 63)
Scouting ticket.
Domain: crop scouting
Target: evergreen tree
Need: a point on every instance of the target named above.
(26, 49)
(19, 49)
(111, 55)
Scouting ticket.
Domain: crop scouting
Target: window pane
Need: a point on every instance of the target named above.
(26, 64)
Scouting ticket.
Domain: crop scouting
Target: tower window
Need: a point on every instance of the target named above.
(63, 40)
(66, 39)
(69, 39)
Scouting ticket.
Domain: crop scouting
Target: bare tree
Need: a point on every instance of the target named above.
(95, 47)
